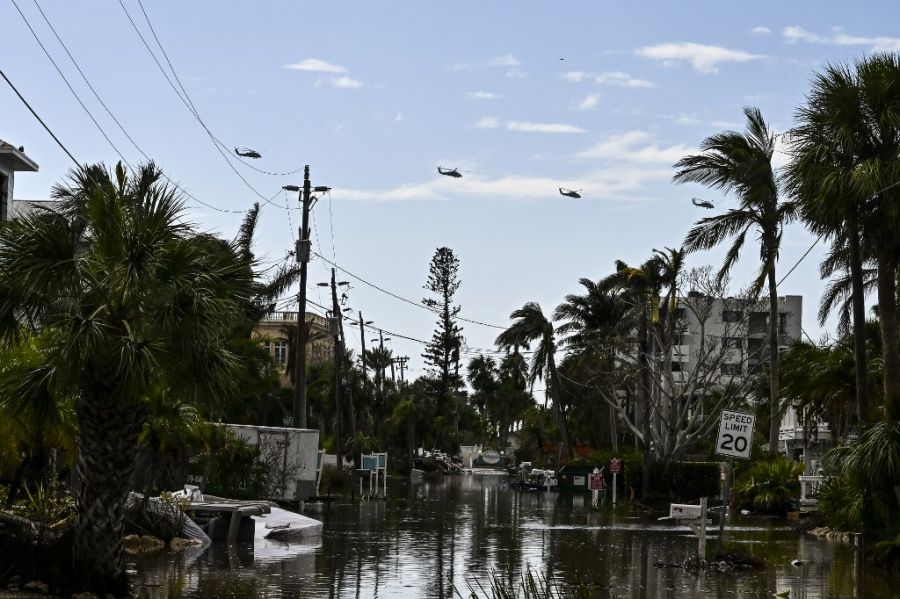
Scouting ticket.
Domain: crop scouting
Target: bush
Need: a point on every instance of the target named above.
(230, 467)
(769, 486)
(840, 504)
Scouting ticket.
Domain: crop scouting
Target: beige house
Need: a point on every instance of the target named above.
(274, 331)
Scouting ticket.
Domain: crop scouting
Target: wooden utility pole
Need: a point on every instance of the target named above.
(302, 252)
(362, 340)
(402, 360)
(338, 356)
(393, 373)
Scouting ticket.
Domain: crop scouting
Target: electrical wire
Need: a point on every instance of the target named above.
(190, 106)
(39, 119)
(401, 298)
(102, 103)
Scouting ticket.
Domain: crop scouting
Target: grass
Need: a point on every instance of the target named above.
(530, 585)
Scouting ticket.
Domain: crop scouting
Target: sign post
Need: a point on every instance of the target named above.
(595, 483)
(614, 466)
(734, 441)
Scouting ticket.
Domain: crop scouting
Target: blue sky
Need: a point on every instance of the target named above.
(521, 96)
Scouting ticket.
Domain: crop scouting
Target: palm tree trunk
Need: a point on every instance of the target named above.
(108, 432)
(558, 413)
(890, 345)
(774, 391)
(859, 322)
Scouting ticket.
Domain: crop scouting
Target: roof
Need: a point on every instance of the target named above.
(16, 156)
(22, 207)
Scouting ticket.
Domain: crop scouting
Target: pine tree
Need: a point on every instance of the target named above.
(442, 352)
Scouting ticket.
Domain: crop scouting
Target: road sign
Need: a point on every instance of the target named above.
(615, 466)
(595, 481)
(735, 434)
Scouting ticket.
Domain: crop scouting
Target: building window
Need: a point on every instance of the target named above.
(676, 366)
(732, 315)
(281, 352)
(680, 314)
(734, 343)
(782, 323)
(731, 369)
(759, 322)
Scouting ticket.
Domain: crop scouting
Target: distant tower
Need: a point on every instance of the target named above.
(12, 159)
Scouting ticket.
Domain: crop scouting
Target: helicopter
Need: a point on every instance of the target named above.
(570, 193)
(247, 153)
(450, 172)
(702, 203)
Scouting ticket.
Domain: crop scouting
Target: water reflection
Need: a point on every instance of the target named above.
(432, 537)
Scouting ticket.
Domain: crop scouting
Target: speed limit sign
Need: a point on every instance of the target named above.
(735, 434)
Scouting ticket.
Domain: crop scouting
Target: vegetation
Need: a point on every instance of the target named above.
(769, 486)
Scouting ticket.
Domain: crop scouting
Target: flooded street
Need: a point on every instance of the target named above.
(431, 539)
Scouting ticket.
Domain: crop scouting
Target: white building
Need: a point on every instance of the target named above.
(738, 327)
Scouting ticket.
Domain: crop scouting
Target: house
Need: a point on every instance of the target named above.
(275, 330)
(12, 160)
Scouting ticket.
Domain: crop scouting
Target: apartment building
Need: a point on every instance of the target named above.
(732, 333)
(12, 160)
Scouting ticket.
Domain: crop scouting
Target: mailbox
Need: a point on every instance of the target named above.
(683, 511)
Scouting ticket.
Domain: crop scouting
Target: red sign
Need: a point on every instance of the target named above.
(615, 466)
(595, 481)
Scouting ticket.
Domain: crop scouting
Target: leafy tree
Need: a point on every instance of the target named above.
(128, 296)
(741, 163)
(442, 352)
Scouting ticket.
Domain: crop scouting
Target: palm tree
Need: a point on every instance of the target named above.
(741, 163)
(130, 297)
(844, 174)
(532, 326)
(592, 323)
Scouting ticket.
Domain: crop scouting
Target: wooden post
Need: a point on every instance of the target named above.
(701, 543)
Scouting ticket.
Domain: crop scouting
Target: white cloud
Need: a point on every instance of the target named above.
(317, 66)
(488, 122)
(635, 147)
(686, 119)
(838, 37)
(702, 57)
(507, 60)
(346, 82)
(399, 117)
(733, 125)
(589, 102)
(529, 127)
(479, 95)
(620, 79)
(575, 76)
(761, 30)
(618, 182)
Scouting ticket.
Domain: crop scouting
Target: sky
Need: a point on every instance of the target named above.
(521, 97)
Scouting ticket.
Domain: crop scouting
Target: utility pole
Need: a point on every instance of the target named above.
(402, 361)
(338, 417)
(362, 340)
(393, 374)
(381, 347)
(301, 252)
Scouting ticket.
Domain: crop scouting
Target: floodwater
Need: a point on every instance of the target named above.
(440, 538)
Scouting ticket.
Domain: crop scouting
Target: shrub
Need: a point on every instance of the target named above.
(335, 481)
(840, 504)
(769, 486)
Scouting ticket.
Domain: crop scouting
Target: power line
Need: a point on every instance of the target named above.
(40, 120)
(102, 103)
(190, 106)
(401, 298)
(186, 95)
